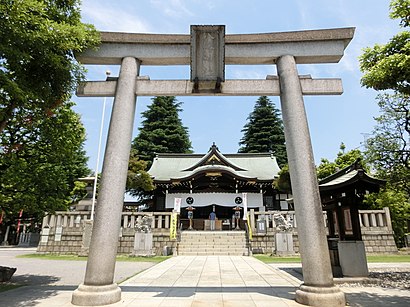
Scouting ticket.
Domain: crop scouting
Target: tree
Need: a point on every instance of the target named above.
(388, 149)
(38, 40)
(398, 203)
(41, 158)
(327, 168)
(388, 66)
(283, 183)
(137, 178)
(263, 131)
(162, 130)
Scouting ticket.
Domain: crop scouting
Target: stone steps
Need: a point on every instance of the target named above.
(212, 243)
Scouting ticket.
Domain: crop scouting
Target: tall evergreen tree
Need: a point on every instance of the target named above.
(264, 131)
(162, 130)
(41, 157)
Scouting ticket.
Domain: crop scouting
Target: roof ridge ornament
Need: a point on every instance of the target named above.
(212, 157)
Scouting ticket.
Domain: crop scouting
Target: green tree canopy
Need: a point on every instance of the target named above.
(162, 130)
(327, 168)
(388, 149)
(398, 203)
(41, 158)
(263, 131)
(388, 66)
(137, 178)
(283, 183)
(38, 39)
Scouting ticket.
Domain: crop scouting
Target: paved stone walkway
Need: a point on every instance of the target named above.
(211, 281)
(185, 281)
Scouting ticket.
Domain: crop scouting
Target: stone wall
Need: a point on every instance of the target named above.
(263, 243)
(376, 242)
(382, 243)
(70, 232)
(72, 241)
(159, 241)
(69, 243)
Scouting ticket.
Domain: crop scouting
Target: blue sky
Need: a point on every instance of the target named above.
(332, 119)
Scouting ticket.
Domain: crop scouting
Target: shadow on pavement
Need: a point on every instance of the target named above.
(185, 292)
(34, 280)
(34, 288)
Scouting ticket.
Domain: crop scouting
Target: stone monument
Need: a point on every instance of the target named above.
(143, 237)
(283, 236)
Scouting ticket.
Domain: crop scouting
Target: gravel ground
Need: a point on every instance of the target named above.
(397, 278)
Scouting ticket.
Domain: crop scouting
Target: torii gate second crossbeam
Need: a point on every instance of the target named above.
(207, 50)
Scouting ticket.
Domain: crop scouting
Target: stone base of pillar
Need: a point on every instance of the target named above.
(320, 296)
(86, 295)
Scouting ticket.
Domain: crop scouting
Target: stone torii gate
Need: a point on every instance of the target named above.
(207, 50)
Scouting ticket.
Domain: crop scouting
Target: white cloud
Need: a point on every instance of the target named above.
(173, 8)
(106, 18)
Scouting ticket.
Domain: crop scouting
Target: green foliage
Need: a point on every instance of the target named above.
(389, 147)
(125, 258)
(38, 40)
(398, 203)
(78, 192)
(263, 131)
(327, 168)
(283, 183)
(137, 177)
(277, 259)
(400, 9)
(370, 258)
(162, 130)
(388, 66)
(41, 157)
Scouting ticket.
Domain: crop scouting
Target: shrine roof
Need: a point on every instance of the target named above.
(246, 166)
(351, 174)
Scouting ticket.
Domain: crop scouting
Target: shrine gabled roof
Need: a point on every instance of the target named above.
(246, 166)
(351, 174)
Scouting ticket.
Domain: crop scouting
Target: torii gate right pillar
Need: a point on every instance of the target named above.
(318, 288)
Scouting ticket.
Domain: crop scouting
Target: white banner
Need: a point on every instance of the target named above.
(177, 205)
(245, 205)
(254, 200)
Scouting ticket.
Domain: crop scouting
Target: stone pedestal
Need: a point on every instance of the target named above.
(86, 240)
(143, 244)
(284, 243)
(6, 237)
(352, 258)
(96, 295)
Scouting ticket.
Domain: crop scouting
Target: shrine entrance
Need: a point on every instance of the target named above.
(207, 50)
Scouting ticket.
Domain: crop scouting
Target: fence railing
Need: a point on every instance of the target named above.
(373, 219)
(160, 220)
(369, 219)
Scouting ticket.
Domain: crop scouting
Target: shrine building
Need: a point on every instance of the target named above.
(216, 181)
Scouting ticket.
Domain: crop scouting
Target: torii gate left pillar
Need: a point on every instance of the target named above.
(98, 287)
(283, 49)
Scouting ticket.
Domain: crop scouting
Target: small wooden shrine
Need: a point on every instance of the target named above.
(342, 196)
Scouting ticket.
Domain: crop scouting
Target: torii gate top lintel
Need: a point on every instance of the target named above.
(308, 47)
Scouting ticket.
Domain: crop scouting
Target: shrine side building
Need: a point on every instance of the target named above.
(216, 181)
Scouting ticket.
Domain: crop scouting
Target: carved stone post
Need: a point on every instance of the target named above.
(99, 287)
(318, 288)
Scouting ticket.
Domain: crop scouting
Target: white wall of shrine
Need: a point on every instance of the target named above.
(254, 200)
